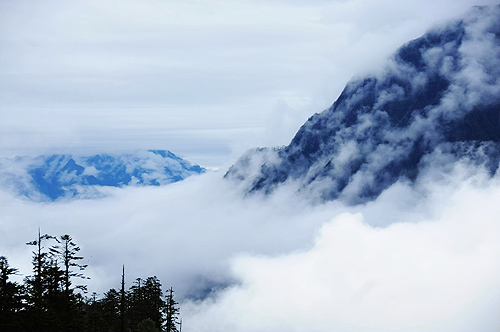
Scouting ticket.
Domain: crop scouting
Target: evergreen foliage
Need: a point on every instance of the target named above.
(48, 300)
(172, 312)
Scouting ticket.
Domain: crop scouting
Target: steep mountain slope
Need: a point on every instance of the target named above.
(437, 101)
(55, 176)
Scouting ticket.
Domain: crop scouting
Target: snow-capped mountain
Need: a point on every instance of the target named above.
(436, 101)
(55, 176)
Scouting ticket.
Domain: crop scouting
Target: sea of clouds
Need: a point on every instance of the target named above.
(421, 257)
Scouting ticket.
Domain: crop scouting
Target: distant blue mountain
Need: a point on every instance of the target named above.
(436, 102)
(55, 176)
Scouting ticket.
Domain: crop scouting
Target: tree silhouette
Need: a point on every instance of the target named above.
(171, 312)
(48, 301)
(147, 325)
(123, 305)
(145, 301)
(111, 309)
(35, 284)
(10, 297)
(66, 250)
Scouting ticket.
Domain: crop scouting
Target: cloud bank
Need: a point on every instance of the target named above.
(437, 274)
(421, 257)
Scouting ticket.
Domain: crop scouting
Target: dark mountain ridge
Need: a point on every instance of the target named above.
(438, 98)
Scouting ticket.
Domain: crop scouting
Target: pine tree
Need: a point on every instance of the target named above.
(95, 315)
(122, 302)
(171, 312)
(137, 301)
(146, 302)
(40, 259)
(111, 310)
(10, 298)
(154, 299)
(48, 302)
(52, 302)
(35, 283)
(147, 325)
(66, 250)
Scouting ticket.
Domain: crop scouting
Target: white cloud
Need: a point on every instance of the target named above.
(420, 257)
(119, 75)
(181, 232)
(437, 274)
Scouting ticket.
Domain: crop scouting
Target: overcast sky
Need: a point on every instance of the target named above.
(205, 79)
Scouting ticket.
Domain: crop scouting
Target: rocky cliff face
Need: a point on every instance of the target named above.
(437, 101)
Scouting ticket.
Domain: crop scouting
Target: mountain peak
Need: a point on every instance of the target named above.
(438, 98)
(64, 176)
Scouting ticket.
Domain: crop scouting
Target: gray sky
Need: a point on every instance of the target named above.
(205, 79)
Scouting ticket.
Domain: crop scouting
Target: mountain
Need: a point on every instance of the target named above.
(436, 101)
(55, 176)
